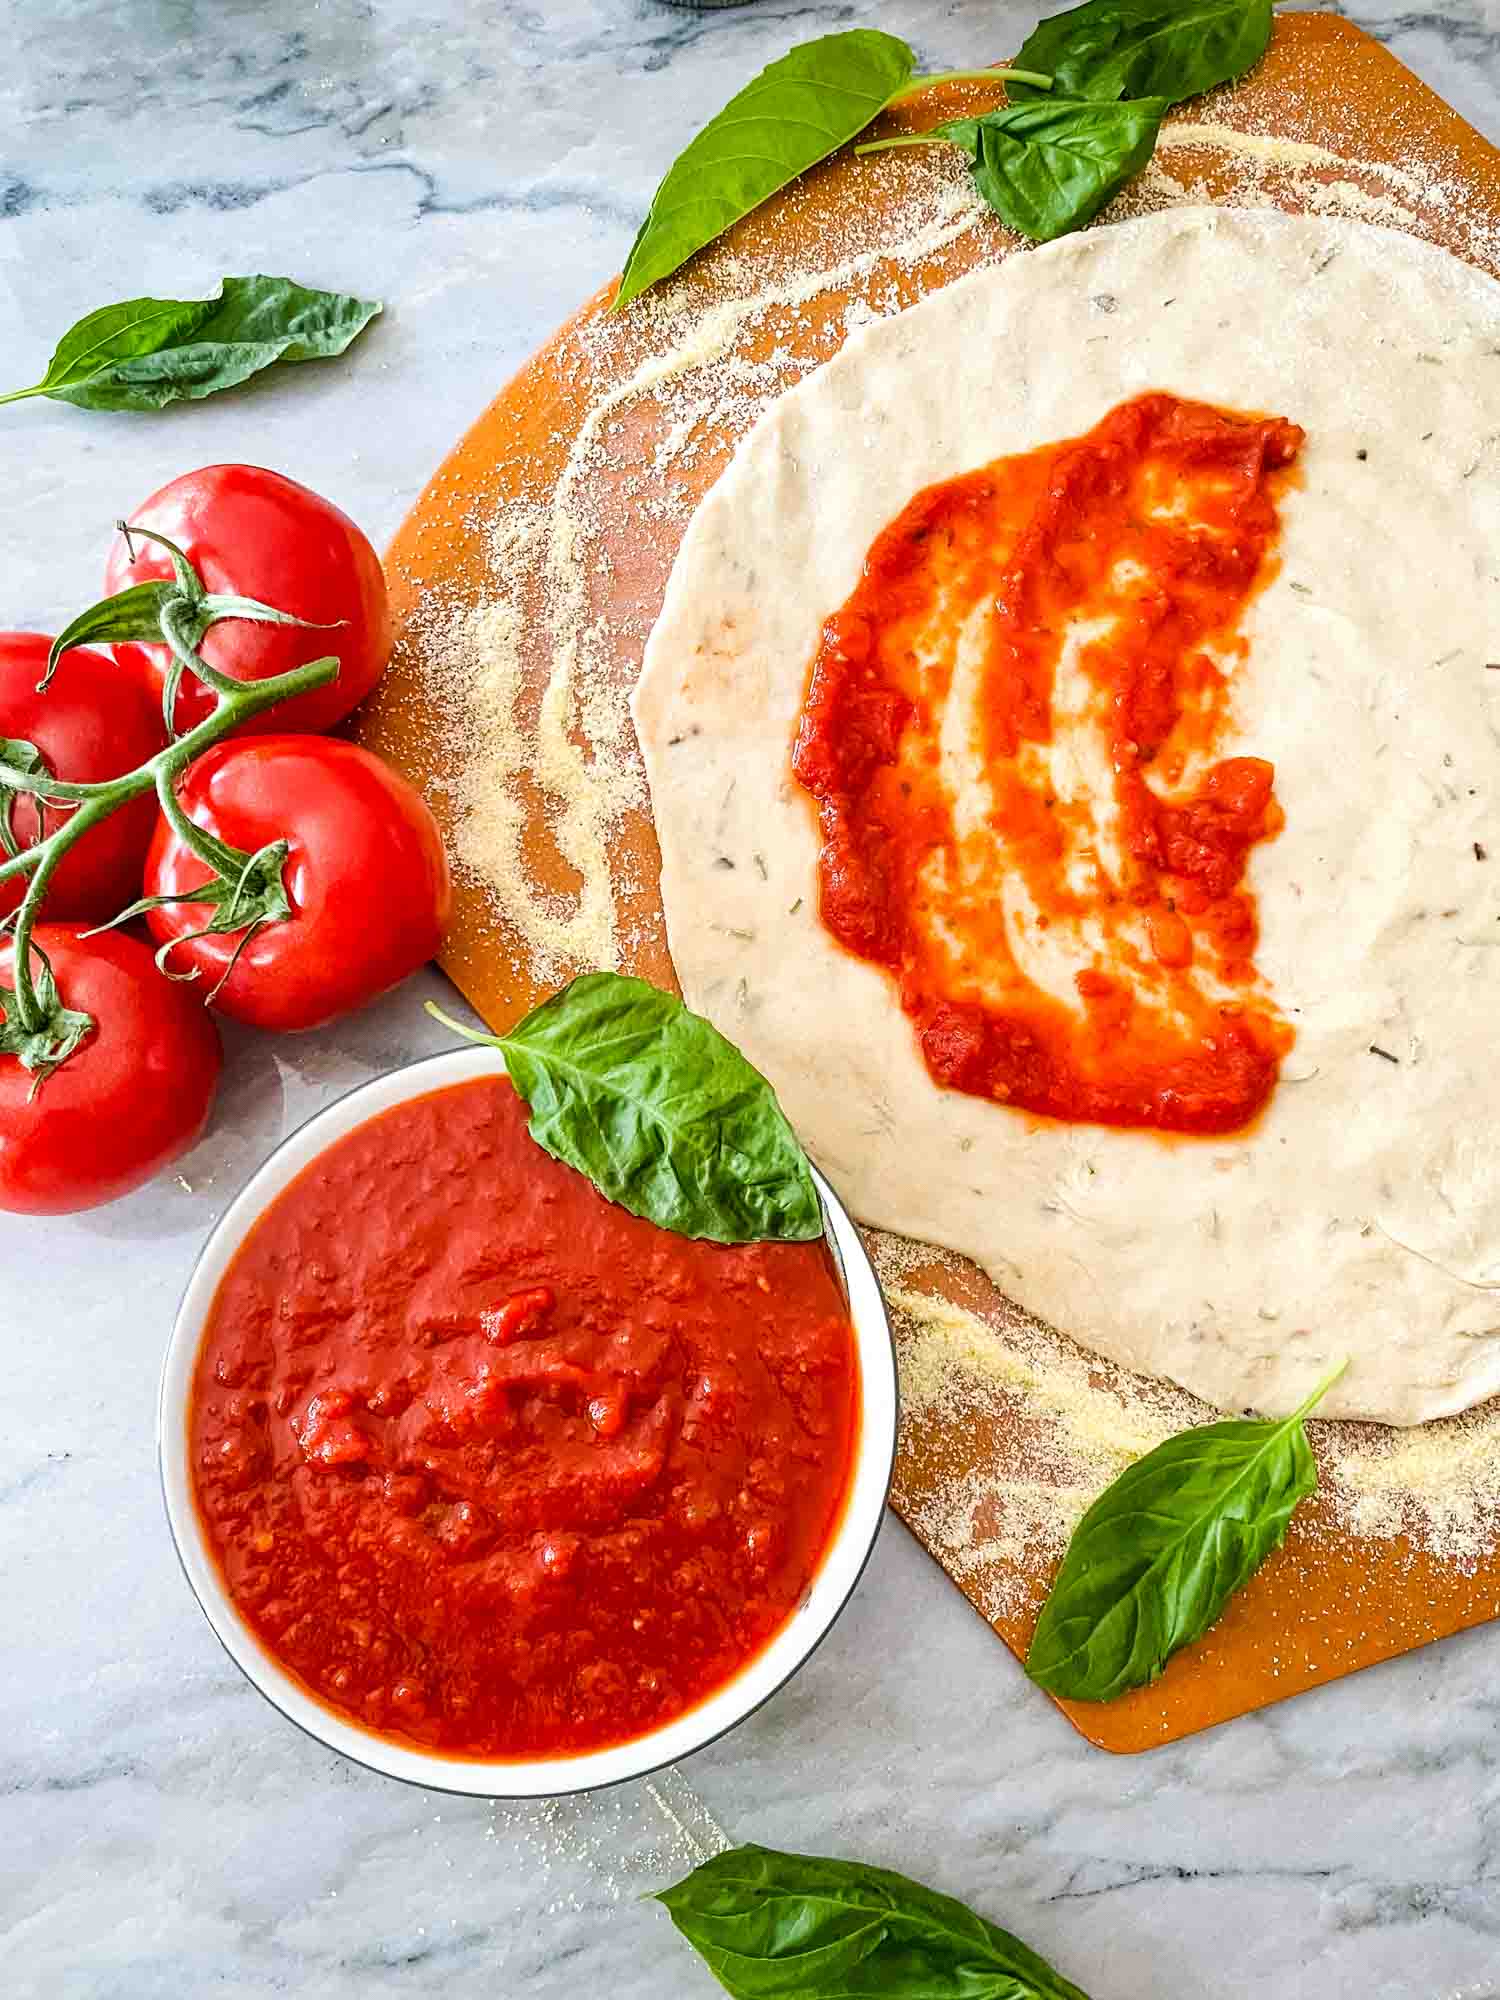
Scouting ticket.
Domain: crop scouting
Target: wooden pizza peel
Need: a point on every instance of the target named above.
(1328, 1603)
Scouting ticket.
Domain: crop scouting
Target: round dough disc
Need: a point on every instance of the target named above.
(1360, 1216)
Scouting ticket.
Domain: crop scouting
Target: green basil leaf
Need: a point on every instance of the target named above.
(1160, 1553)
(795, 113)
(802, 1928)
(1146, 48)
(663, 1115)
(16, 754)
(149, 352)
(1050, 166)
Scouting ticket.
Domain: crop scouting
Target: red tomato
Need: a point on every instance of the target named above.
(261, 535)
(366, 876)
(134, 1095)
(96, 720)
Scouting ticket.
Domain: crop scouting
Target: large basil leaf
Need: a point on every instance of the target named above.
(1146, 48)
(802, 1928)
(662, 1113)
(1160, 1553)
(149, 352)
(1049, 167)
(795, 113)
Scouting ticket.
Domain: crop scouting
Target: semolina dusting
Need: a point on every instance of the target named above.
(531, 681)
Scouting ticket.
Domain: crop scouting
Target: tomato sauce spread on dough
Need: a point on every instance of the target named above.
(498, 1467)
(1014, 730)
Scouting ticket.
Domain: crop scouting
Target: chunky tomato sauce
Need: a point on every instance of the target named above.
(494, 1465)
(1014, 731)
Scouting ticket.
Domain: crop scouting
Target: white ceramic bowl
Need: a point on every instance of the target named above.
(831, 1587)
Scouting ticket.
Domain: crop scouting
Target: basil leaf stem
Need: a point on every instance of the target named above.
(1156, 1559)
(146, 353)
(662, 1114)
(1006, 76)
(767, 1923)
(25, 758)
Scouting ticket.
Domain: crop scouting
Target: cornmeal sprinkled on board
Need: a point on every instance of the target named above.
(1073, 1422)
(669, 389)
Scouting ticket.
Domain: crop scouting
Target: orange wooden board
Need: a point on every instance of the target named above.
(1329, 1603)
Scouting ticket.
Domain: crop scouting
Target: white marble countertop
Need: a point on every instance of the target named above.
(481, 165)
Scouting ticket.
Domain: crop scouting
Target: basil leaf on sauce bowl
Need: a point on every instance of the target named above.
(664, 1115)
(767, 1923)
(795, 113)
(1146, 48)
(1158, 1556)
(1048, 167)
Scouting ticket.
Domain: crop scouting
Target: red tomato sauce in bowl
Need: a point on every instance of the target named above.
(497, 1468)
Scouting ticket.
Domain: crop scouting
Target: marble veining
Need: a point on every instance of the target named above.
(482, 166)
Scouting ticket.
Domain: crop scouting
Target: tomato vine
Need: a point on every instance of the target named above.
(246, 890)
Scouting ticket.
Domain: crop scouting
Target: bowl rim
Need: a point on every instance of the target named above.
(843, 1563)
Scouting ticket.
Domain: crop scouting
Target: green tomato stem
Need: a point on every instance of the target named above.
(51, 851)
(188, 580)
(182, 627)
(237, 702)
(921, 83)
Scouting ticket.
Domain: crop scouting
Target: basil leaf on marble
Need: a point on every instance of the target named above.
(1048, 167)
(1158, 1556)
(664, 1115)
(803, 1928)
(795, 113)
(1109, 49)
(146, 353)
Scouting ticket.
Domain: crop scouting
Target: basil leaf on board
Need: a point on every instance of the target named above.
(1146, 48)
(146, 353)
(1049, 167)
(802, 1928)
(795, 113)
(664, 1115)
(1157, 1557)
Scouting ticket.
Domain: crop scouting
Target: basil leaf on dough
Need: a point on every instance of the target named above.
(1050, 166)
(1160, 1553)
(664, 1115)
(802, 1928)
(1146, 48)
(146, 353)
(795, 113)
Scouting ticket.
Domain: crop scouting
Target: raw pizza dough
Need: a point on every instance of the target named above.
(1361, 1216)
